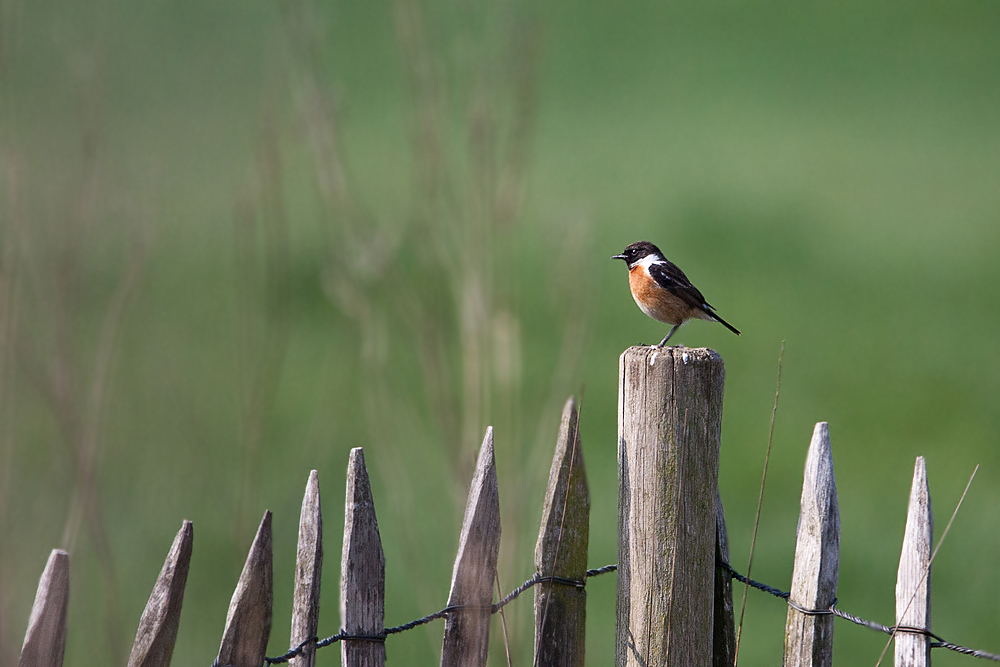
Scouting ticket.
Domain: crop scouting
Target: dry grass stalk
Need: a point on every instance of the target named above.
(45, 277)
(262, 258)
(9, 292)
(439, 283)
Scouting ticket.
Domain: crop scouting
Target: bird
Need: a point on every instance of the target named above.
(663, 292)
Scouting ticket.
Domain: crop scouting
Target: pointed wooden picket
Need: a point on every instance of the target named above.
(362, 572)
(561, 551)
(154, 640)
(809, 637)
(248, 624)
(913, 580)
(467, 631)
(308, 573)
(45, 639)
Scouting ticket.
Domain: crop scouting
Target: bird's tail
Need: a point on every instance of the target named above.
(724, 323)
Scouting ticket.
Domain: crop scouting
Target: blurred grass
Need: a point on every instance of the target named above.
(826, 174)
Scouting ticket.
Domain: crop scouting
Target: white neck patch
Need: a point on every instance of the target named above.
(648, 261)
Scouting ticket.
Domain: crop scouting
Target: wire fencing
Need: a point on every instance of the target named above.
(938, 642)
(494, 609)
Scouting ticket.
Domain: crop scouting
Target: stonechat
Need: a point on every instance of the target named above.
(662, 291)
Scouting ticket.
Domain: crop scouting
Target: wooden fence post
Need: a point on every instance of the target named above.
(308, 574)
(45, 639)
(248, 623)
(723, 622)
(467, 631)
(809, 638)
(362, 571)
(157, 632)
(669, 424)
(913, 580)
(561, 551)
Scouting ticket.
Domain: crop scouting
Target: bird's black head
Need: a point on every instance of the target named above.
(637, 251)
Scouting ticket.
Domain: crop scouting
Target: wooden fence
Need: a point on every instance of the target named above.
(675, 604)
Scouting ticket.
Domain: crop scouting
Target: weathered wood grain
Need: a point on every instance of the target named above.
(913, 580)
(308, 574)
(561, 551)
(467, 632)
(248, 624)
(45, 639)
(157, 632)
(723, 618)
(669, 422)
(362, 571)
(809, 638)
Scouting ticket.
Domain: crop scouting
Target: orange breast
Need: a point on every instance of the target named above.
(655, 301)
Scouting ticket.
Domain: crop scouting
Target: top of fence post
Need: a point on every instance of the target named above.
(669, 427)
(467, 631)
(308, 574)
(157, 632)
(809, 638)
(561, 551)
(913, 581)
(248, 623)
(362, 571)
(45, 639)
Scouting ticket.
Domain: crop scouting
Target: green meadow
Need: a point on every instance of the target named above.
(238, 239)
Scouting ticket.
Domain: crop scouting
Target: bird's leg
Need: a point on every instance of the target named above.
(669, 334)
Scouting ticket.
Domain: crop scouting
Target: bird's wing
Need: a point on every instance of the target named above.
(668, 276)
(671, 278)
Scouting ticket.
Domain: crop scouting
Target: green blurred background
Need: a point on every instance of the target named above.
(241, 238)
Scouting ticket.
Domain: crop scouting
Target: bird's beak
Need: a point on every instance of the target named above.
(618, 257)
